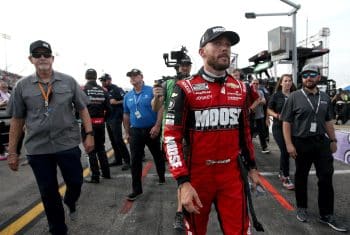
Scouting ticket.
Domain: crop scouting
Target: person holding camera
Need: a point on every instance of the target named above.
(142, 127)
(209, 111)
(114, 119)
(160, 102)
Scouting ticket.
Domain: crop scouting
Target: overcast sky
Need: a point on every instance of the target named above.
(116, 36)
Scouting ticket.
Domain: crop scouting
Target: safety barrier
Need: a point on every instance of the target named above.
(343, 152)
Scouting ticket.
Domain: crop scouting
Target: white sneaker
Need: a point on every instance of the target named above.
(287, 183)
(265, 150)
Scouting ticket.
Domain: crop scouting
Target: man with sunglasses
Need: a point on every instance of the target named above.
(311, 141)
(46, 102)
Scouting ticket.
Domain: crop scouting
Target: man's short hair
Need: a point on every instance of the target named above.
(91, 74)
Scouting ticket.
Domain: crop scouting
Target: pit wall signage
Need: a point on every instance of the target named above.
(343, 151)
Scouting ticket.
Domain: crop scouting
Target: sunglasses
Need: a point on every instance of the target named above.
(311, 75)
(38, 55)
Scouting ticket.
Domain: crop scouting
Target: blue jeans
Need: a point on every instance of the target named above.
(45, 171)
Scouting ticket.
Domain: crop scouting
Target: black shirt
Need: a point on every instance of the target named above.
(115, 111)
(98, 99)
(276, 103)
(300, 114)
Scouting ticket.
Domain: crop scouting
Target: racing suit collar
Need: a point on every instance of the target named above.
(212, 77)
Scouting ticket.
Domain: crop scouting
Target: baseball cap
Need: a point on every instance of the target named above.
(310, 68)
(134, 72)
(186, 60)
(216, 31)
(39, 44)
(105, 77)
(91, 74)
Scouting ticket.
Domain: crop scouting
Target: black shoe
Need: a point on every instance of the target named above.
(265, 150)
(125, 167)
(92, 180)
(106, 176)
(114, 163)
(179, 223)
(161, 181)
(133, 196)
(302, 214)
(330, 221)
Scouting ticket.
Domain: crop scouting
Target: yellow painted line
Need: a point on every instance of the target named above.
(29, 216)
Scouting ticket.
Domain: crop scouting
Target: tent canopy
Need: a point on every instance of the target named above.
(346, 88)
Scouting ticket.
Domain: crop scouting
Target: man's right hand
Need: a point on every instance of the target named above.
(189, 198)
(291, 150)
(13, 161)
(158, 91)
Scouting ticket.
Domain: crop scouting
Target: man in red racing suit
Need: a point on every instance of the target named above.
(209, 111)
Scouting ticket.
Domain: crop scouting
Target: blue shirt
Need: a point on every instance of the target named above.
(138, 107)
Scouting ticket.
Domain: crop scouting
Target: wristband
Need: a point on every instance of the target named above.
(89, 133)
(13, 154)
(334, 140)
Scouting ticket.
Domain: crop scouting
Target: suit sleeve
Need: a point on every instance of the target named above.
(245, 140)
(174, 129)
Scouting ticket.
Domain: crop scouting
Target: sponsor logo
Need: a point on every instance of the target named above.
(219, 29)
(217, 118)
(203, 92)
(172, 152)
(204, 97)
(232, 85)
(174, 95)
(233, 98)
(171, 104)
(186, 86)
(200, 87)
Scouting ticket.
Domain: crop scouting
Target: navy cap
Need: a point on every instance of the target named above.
(134, 72)
(39, 44)
(91, 74)
(216, 31)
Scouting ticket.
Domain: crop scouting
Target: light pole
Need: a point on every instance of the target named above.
(296, 7)
(5, 37)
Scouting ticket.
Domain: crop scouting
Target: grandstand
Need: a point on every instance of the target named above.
(10, 78)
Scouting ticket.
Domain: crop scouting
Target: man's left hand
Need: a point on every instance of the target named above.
(154, 131)
(89, 143)
(254, 176)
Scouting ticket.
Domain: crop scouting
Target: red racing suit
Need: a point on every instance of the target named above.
(212, 117)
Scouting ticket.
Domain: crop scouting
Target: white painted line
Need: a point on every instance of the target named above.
(336, 172)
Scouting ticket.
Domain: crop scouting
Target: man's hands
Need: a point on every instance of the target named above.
(291, 150)
(158, 91)
(154, 132)
(89, 143)
(334, 147)
(13, 161)
(189, 198)
(254, 177)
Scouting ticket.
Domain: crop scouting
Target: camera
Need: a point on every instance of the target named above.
(176, 57)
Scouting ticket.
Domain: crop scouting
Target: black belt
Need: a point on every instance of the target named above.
(313, 137)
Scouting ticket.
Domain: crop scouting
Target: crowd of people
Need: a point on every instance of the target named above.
(201, 124)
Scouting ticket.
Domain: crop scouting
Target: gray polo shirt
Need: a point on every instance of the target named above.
(54, 129)
(300, 114)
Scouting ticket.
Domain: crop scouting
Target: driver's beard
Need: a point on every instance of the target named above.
(218, 67)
